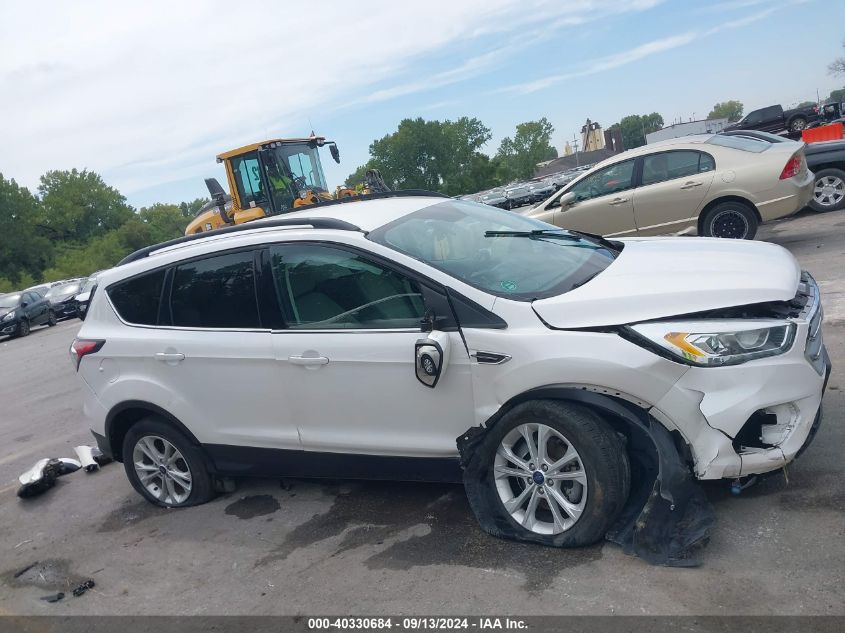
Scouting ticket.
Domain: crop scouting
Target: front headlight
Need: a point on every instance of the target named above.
(9, 316)
(717, 343)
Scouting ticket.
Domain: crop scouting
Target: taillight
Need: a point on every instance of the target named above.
(81, 347)
(792, 167)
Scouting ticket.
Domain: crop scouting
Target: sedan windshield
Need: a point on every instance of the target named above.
(63, 291)
(9, 301)
(502, 253)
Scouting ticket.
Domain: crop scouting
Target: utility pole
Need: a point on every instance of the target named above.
(575, 147)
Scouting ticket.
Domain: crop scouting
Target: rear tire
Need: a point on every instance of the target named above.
(798, 124)
(730, 219)
(164, 466)
(828, 191)
(578, 485)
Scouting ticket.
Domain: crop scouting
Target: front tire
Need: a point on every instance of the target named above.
(51, 319)
(734, 220)
(23, 328)
(578, 484)
(164, 466)
(828, 191)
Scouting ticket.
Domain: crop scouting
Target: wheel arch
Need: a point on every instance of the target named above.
(726, 198)
(122, 416)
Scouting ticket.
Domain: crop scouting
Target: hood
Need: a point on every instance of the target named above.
(662, 277)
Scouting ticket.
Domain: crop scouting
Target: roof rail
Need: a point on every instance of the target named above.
(317, 223)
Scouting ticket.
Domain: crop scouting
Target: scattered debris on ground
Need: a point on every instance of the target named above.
(85, 586)
(43, 474)
(53, 597)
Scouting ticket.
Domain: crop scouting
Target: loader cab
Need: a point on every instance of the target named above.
(268, 178)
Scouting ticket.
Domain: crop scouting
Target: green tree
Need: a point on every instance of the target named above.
(837, 96)
(23, 252)
(78, 205)
(436, 155)
(732, 110)
(190, 209)
(634, 127)
(531, 144)
(164, 221)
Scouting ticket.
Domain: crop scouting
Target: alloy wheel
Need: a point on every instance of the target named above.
(829, 191)
(162, 470)
(540, 478)
(729, 223)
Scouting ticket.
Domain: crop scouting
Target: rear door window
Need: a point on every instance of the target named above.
(678, 164)
(137, 300)
(215, 292)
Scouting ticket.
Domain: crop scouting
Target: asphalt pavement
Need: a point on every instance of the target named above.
(342, 547)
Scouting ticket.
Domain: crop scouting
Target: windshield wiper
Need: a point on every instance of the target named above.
(536, 233)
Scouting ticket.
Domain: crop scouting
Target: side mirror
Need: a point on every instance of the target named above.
(431, 355)
(24, 304)
(335, 152)
(567, 199)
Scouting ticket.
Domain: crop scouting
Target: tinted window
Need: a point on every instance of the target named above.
(321, 287)
(33, 297)
(605, 181)
(754, 117)
(671, 165)
(771, 113)
(137, 300)
(216, 292)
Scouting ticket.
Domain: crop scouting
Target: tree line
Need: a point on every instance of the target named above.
(76, 224)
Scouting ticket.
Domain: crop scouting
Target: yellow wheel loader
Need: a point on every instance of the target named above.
(270, 178)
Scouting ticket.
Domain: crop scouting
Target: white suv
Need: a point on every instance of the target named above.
(559, 375)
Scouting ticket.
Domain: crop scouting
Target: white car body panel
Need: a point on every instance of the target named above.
(366, 399)
(655, 278)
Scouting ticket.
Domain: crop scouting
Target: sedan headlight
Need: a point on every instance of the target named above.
(717, 343)
(9, 316)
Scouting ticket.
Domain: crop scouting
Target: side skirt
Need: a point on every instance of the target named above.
(250, 461)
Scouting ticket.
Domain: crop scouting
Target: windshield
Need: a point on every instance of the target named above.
(302, 162)
(533, 261)
(10, 301)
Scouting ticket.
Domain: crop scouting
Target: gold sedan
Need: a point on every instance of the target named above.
(711, 185)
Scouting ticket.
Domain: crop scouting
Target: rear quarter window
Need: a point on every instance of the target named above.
(137, 300)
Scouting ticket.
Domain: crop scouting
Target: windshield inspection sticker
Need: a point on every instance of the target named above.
(509, 285)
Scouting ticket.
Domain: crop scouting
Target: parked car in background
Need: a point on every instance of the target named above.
(557, 360)
(82, 299)
(495, 198)
(61, 297)
(517, 195)
(541, 189)
(827, 160)
(20, 311)
(714, 185)
(776, 119)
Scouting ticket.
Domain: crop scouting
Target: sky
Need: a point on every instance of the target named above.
(147, 93)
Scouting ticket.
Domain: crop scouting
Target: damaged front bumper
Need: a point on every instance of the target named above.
(756, 417)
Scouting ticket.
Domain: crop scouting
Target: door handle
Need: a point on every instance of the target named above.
(308, 360)
(169, 357)
(691, 184)
(616, 201)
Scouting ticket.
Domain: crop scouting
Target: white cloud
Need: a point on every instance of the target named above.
(147, 93)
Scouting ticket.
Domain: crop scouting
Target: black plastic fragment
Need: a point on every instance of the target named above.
(81, 589)
(53, 597)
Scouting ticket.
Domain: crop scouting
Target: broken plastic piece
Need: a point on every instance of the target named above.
(85, 586)
(86, 458)
(53, 597)
(42, 476)
(738, 485)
